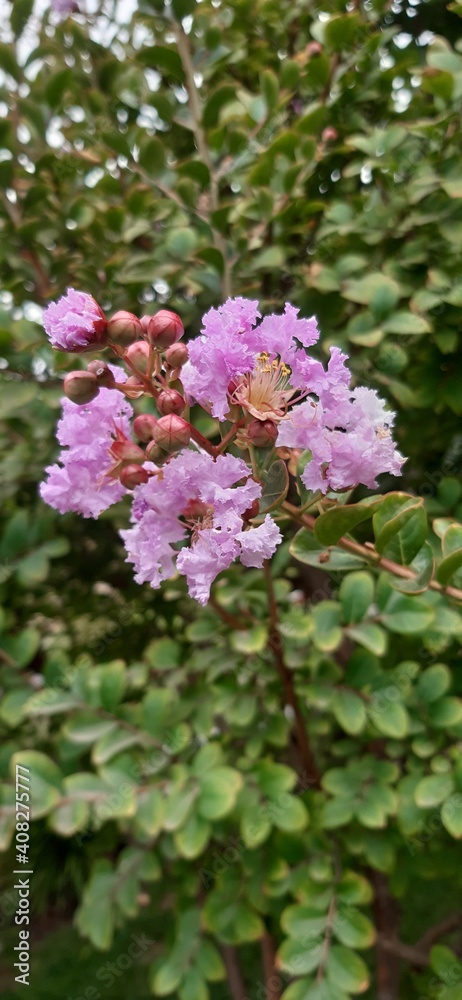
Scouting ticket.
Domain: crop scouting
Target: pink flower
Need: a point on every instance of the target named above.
(258, 366)
(64, 7)
(86, 433)
(349, 438)
(75, 322)
(196, 500)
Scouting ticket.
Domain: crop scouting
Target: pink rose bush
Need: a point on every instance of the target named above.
(197, 506)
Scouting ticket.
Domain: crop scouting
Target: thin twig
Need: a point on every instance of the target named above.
(275, 644)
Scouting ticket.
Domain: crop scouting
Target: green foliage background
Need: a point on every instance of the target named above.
(295, 152)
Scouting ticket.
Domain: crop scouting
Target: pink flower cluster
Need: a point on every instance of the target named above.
(196, 498)
(79, 482)
(195, 510)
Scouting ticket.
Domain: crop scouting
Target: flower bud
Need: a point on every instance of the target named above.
(262, 433)
(133, 387)
(329, 134)
(154, 453)
(251, 511)
(104, 376)
(172, 432)
(176, 355)
(124, 327)
(127, 452)
(138, 354)
(81, 387)
(164, 329)
(170, 401)
(143, 426)
(313, 49)
(133, 475)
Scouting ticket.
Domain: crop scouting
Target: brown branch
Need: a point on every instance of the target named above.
(235, 978)
(426, 942)
(368, 553)
(275, 644)
(387, 961)
(272, 980)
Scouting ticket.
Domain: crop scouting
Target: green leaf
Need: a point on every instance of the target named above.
(308, 550)
(275, 486)
(390, 718)
(400, 527)
(295, 954)
(339, 521)
(433, 790)
(69, 818)
(369, 635)
(166, 979)
(270, 88)
(327, 634)
(452, 552)
(451, 816)
(44, 780)
(349, 710)
(347, 970)
(407, 615)
(353, 928)
(250, 640)
(337, 812)
(422, 565)
(375, 290)
(209, 962)
(21, 648)
(406, 323)
(193, 986)
(445, 712)
(95, 917)
(218, 792)
(434, 682)
(291, 816)
(356, 595)
(194, 836)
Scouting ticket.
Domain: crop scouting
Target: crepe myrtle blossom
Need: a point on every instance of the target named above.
(260, 366)
(75, 322)
(80, 481)
(349, 439)
(195, 500)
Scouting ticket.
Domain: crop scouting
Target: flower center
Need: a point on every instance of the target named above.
(265, 392)
(197, 515)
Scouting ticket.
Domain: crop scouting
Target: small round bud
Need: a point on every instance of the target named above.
(313, 49)
(143, 426)
(172, 432)
(170, 401)
(133, 475)
(127, 452)
(138, 354)
(329, 134)
(81, 387)
(124, 327)
(154, 453)
(104, 376)
(176, 355)
(133, 387)
(262, 433)
(251, 511)
(164, 329)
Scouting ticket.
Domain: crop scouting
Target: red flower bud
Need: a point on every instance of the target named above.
(251, 511)
(154, 453)
(138, 354)
(133, 475)
(164, 329)
(104, 376)
(176, 355)
(313, 49)
(124, 327)
(170, 401)
(143, 426)
(262, 433)
(172, 432)
(329, 134)
(134, 387)
(127, 451)
(81, 387)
